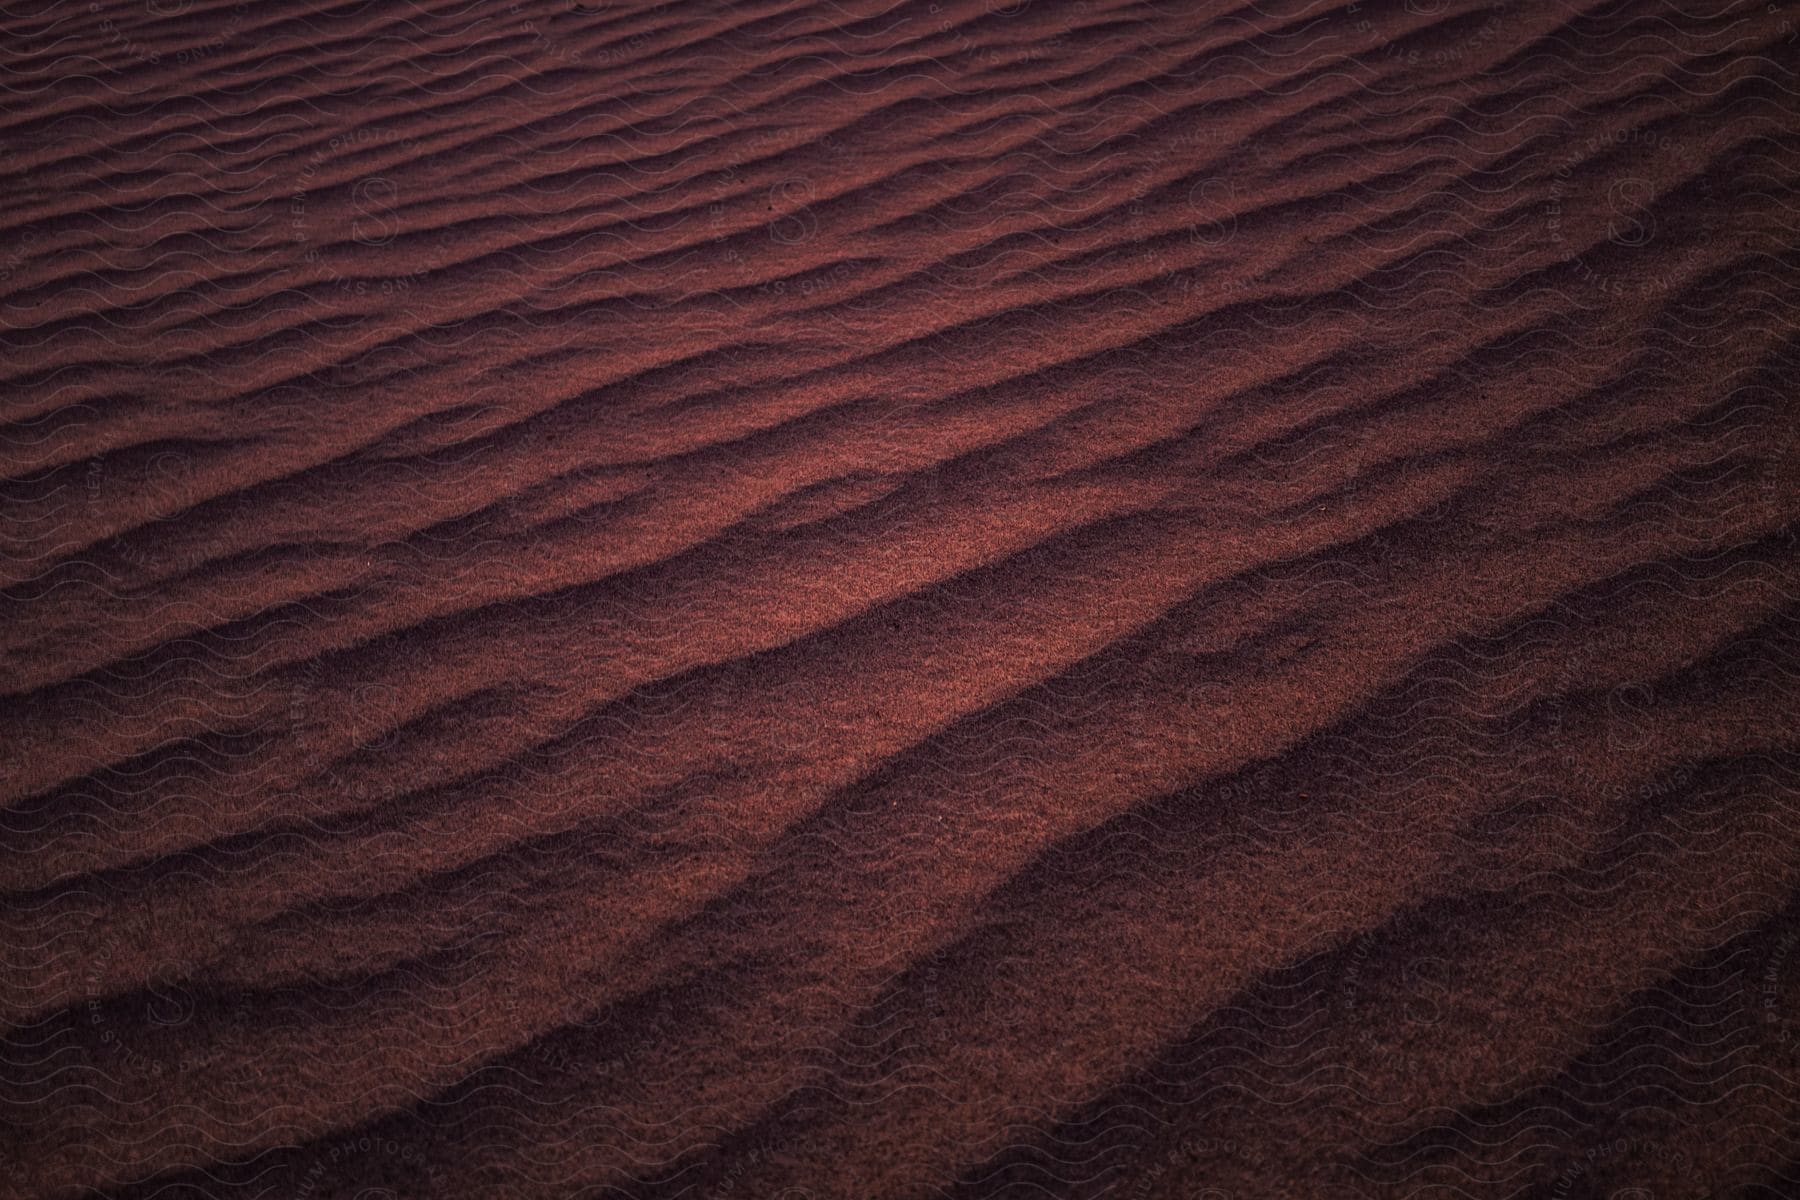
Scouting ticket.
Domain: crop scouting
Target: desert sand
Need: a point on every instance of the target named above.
(956, 599)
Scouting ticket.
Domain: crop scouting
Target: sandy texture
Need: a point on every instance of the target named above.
(802, 599)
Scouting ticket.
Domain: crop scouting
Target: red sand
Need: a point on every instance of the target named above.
(961, 599)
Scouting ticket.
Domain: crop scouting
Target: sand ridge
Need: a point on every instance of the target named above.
(962, 598)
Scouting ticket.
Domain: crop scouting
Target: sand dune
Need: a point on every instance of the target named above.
(965, 599)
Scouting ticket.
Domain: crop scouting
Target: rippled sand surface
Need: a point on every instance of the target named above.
(803, 599)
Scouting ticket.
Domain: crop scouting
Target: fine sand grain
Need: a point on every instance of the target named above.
(815, 599)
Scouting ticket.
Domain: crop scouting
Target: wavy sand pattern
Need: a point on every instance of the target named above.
(966, 599)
